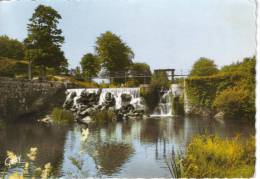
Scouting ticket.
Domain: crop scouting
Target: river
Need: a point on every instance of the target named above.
(134, 148)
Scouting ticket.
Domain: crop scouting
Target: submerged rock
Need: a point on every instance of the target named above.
(47, 120)
(219, 116)
(86, 120)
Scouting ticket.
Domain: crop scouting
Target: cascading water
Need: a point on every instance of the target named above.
(116, 93)
(164, 107)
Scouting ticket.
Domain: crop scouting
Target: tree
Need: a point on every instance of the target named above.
(90, 65)
(141, 69)
(159, 84)
(204, 67)
(45, 37)
(78, 74)
(11, 48)
(115, 55)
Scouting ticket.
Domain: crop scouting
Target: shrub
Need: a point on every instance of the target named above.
(235, 82)
(152, 94)
(235, 102)
(212, 156)
(61, 116)
(178, 105)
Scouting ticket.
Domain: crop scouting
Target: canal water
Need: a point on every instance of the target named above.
(134, 148)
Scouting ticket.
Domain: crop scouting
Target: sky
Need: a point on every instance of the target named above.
(162, 33)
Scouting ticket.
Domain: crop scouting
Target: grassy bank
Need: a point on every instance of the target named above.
(212, 156)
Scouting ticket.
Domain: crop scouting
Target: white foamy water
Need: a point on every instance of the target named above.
(116, 92)
(164, 107)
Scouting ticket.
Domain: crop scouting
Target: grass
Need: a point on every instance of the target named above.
(212, 156)
(104, 117)
(60, 115)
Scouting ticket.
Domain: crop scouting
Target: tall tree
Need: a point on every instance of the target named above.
(116, 56)
(204, 67)
(90, 65)
(141, 69)
(11, 48)
(45, 37)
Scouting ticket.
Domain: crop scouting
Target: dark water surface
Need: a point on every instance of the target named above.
(136, 148)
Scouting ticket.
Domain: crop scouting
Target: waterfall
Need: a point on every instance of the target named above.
(164, 107)
(116, 93)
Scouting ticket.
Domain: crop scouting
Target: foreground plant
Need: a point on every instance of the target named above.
(212, 156)
(61, 116)
(15, 167)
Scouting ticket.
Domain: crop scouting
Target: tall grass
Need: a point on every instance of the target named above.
(105, 116)
(212, 156)
(60, 115)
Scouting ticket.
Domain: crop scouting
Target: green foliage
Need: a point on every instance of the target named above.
(152, 95)
(232, 84)
(104, 117)
(140, 69)
(12, 67)
(202, 90)
(45, 39)
(235, 103)
(78, 74)
(61, 116)
(115, 55)
(7, 67)
(90, 65)
(212, 156)
(11, 48)
(203, 67)
(178, 105)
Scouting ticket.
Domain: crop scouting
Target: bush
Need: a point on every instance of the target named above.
(61, 116)
(230, 82)
(212, 156)
(152, 95)
(235, 102)
(178, 105)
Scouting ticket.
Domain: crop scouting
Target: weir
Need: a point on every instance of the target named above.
(116, 92)
(164, 108)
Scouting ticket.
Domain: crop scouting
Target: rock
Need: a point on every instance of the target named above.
(70, 101)
(47, 120)
(109, 100)
(88, 111)
(125, 99)
(86, 120)
(68, 104)
(219, 116)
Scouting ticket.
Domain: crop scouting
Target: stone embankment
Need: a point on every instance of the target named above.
(23, 97)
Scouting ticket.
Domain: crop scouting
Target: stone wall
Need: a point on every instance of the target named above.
(23, 97)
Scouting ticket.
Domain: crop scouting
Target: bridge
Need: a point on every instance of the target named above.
(125, 75)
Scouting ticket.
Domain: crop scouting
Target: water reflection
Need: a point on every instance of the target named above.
(135, 148)
(20, 137)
